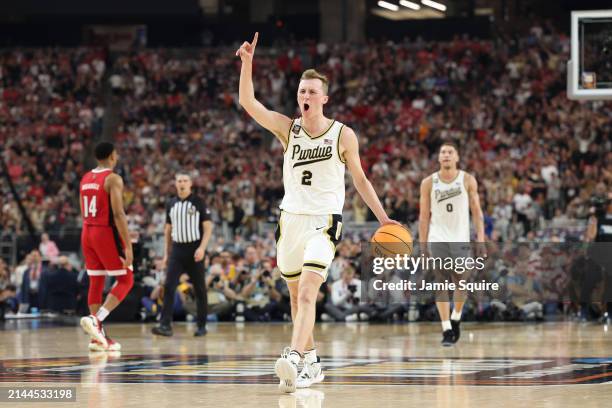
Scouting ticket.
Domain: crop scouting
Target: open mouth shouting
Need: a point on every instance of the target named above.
(306, 107)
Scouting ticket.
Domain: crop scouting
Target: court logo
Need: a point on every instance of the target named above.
(109, 368)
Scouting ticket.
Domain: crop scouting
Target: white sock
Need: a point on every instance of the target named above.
(456, 315)
(102, 313)
(295, 357)
(446, 325)
(310, 356)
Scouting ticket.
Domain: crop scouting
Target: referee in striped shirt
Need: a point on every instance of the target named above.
(188, 229)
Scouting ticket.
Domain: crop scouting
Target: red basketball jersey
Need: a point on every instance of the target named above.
(95, 200)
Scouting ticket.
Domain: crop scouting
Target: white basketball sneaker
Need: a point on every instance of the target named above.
(96, 346)
(286, 368)
(93, 327)
(312, 373)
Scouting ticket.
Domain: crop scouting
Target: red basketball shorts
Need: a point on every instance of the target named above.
(102, 248)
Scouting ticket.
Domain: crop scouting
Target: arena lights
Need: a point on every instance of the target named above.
(434, 4)
(388, 6)
(410, 5)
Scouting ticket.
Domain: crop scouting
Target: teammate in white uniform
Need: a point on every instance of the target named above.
(446, 200)
(316, 151)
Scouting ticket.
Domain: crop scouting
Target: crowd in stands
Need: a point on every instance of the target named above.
(38, 284)
(50, 110)
(538, 157)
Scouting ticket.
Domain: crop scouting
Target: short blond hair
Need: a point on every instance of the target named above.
(314, 74)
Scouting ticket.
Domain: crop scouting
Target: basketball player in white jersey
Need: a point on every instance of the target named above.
(316, 151)
(447, 197)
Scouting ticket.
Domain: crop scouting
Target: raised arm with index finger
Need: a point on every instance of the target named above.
(275, 122)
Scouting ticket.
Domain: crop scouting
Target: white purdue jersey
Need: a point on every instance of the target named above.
(450, 210)
(313, 172)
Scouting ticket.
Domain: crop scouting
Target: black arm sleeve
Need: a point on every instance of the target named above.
(168, 207)
(204, 211)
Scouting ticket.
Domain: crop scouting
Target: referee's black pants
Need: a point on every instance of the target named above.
(181, 261)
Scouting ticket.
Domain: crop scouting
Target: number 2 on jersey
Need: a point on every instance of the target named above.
(91, 208)
(306, 176)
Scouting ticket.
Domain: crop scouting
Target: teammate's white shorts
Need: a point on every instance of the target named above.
(454, 250)
(306, 242)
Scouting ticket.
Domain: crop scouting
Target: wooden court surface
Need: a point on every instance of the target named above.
(509, 365)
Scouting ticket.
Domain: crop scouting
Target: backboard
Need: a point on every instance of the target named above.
(589, 71)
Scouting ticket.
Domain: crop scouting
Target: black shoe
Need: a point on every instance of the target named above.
(448, 338)
(456, 331)
(200, 332)
(162, 330)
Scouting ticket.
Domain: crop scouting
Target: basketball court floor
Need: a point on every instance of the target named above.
(501, 365)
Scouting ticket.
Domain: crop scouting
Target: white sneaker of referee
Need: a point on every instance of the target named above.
(312, 373)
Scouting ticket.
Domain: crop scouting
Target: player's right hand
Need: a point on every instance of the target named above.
(247, 50)
(129, 258)
(164, 261)
(424, 249)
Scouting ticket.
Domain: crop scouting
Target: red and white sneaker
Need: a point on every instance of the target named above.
(93, 327)
(113, 345)
(95, 345)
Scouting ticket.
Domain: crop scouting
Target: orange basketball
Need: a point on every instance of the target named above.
(390, 240)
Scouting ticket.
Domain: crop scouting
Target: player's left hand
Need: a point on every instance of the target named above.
(481, 249)
(388, 221)
(199, 254)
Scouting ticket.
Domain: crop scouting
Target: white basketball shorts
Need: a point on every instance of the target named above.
(306, 242)
(453, 250)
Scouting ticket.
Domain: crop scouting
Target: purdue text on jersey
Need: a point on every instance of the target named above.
(450, 210)
(313, 172)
